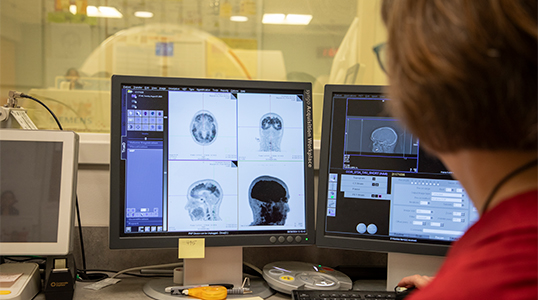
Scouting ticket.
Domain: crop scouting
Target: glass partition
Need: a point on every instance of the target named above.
(64, 52)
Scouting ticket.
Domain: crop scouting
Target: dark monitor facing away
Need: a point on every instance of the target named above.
(38, 180)
(224, 160)
(378, 190)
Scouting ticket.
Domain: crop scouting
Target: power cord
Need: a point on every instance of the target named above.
(131, 274)
(82, 275)
(172, 265)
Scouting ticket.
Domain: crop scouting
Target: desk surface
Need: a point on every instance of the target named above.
(131, 288)
(127, 288)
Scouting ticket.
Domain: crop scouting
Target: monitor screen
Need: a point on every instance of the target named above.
(37, 191)
(229, 161)
(378, 190)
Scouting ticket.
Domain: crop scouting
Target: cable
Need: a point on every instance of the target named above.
(254, 268)
(130, 274)
(46, 107)
(80, 235)
(147, 267)
(83, 275)
(69, 108)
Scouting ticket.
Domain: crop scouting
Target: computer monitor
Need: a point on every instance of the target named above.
(37, 188)
(378, 189)
(228, 161)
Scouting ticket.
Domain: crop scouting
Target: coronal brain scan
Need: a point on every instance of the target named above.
(204, 128)
(268, 199)
(204, 199)
(383, 140)
(270, 132)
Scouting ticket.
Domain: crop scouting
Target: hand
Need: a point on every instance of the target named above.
(417, 281)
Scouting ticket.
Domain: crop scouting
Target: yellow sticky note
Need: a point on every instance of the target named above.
(191, 248)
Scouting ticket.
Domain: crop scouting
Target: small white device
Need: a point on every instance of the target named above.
(286, 276)
(19, 281)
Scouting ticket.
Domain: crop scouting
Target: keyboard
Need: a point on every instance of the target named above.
(342, 295)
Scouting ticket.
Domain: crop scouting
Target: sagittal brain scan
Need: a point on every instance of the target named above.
(271, 131)
(268, 198)
(383, 140)
(204, 128)
(204, 199)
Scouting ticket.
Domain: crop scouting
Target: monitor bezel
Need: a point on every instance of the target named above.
(326, 240)
(68, 184)
(117, 241)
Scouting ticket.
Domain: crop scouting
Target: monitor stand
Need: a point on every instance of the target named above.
(220, 265)
(400, 265)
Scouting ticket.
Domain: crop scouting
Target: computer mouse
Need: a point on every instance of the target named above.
(402, 292)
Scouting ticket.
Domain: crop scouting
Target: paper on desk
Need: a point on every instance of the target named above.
(8, 279)
(102, 284)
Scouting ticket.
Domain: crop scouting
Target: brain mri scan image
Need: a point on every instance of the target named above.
(204, 199)
(271, 129)
(268, 198)
(384, 140)
(204, 128)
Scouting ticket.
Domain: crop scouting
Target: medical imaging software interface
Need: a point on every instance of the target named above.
(381, 185)
(213, 161)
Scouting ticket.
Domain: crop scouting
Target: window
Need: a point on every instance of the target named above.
(64, 52)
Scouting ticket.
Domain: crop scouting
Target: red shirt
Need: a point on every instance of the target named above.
(497, 258)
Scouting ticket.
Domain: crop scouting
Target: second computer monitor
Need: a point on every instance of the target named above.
(378, 189)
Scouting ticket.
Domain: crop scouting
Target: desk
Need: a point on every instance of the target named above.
(128, 288)
(131, 288)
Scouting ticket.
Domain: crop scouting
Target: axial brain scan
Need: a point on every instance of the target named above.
(270, 132)
(204, 199)
(268, 199)
(204, 128)
(384, 140)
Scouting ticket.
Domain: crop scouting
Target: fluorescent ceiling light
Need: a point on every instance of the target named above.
(290, 19)
(104, 12)
(143, 14)
(99, 12)
(238, 18)
(273, 18)
(298, 19)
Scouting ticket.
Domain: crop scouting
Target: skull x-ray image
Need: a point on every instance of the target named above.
(204, 199)
(268, 198)
(384, 140)
(204, 128)
(271, 130)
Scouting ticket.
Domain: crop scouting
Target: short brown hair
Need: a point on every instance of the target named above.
(463, 73)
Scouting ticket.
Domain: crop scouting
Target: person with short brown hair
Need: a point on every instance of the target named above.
(463, 78)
